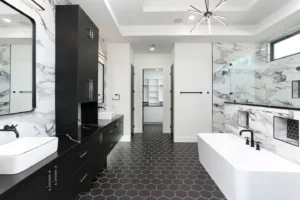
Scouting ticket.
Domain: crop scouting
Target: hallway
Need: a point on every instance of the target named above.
(153, 167)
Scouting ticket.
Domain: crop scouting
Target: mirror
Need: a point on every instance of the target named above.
(100, 83)
(17, 61)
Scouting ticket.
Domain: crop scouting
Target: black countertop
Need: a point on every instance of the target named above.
(8, 182)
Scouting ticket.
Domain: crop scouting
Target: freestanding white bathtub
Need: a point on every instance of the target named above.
(242, 173)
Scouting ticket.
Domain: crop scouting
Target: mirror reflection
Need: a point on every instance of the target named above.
(16, 61)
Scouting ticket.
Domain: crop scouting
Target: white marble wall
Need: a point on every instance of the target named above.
(4, 78)
(41, 122)
(261, 122)
(242, 73)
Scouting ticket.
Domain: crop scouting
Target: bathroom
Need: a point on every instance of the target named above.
(73, 118)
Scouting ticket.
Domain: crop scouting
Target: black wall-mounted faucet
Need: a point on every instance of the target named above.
(252, 136)
(12, 128)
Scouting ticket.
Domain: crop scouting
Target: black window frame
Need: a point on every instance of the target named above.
(274, 42)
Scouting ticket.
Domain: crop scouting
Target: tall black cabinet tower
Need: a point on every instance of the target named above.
(76, 76)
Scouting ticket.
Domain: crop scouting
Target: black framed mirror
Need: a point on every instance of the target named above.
(17, 61)
(101, 83)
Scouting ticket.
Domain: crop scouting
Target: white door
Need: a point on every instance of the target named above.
(193, 91)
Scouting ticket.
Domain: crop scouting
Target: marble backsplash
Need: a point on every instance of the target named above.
(41, 122)
(261, 122)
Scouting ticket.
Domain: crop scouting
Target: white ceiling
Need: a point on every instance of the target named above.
(146, 22)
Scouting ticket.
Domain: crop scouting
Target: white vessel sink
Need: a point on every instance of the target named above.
(106, 115)
(23, 153)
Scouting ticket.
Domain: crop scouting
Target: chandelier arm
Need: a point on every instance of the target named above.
(219, 5)
(198, 23)
(221, 21)
(196, 9)
(207, 5)
(209, 25)
(220, 17)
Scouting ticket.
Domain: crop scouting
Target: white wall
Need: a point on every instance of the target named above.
(192, 73)
(156, 61)
(119, 58)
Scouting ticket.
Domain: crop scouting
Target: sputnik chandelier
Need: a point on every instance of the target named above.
(208, 14)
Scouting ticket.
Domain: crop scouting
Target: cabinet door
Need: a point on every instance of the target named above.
(87, 59)
(37, 187)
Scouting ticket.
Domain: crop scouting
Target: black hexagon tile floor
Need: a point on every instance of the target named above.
(152, 167)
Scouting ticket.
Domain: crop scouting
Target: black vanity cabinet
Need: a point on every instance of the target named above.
(76, 71)
(77, 41)
(113, 134)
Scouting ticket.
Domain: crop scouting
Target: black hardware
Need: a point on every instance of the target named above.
(84, 178)
(90, 34)
(25, 91)
(247, 140)
(12, 128)
(117, 95)
(55, 182)
(252, 136)
(101, 138)
(111, 131)
(84, 154)
(207, 92)
(110, 145)
(49, 186)
(191, 92)
(258, 146)
(91, 89)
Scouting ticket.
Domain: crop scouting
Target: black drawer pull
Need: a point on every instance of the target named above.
(49, 186)
(84, 178)
(55, 182)
(84, 154)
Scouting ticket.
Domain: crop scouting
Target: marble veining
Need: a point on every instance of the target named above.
(5, 66)
(242, 72)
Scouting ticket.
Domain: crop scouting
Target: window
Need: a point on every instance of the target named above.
(286, 46)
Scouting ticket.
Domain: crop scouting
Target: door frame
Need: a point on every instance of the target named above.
(132, 92)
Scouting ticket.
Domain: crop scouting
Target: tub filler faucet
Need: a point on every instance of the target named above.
(252, 136)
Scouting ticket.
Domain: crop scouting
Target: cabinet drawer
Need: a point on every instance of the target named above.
(78, 156)
(82, 178)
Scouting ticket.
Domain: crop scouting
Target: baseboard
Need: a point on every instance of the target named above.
(126, 138)
(187, 140)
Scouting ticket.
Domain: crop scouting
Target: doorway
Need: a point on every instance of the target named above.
(153, 100)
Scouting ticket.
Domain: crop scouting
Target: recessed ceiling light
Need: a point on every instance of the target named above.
(6, 20)
(191, 17)
(152, 47)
